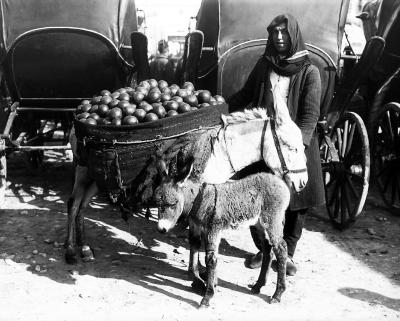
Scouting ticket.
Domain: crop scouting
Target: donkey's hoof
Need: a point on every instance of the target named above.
(70, 255)
(204, 304)
(71, 259)
(198, 286)
(255, 289)
(87, 254)
(274, 300)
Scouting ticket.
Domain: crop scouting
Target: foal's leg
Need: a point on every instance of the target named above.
(265, 266)
(194, 271)
(212, 244)
(280, 250)
(259, 233)
(86, 251)
(74, 204)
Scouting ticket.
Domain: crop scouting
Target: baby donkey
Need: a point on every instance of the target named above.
(260, 198)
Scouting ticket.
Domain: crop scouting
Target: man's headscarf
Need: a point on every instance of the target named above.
(297, 56)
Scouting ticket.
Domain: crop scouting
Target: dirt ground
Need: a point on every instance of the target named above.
(139, 274)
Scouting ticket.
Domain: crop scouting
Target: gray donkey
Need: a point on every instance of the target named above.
(211, 208)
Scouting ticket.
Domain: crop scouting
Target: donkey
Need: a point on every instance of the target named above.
(219, 152)
(262, 198)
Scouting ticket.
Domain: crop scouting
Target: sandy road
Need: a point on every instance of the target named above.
(139, 274)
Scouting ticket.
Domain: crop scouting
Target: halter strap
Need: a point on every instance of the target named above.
(227, 151)
(278, 147)
(285, 170)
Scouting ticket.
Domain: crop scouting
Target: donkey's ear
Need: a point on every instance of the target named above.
(363, 16)
(184, 173)
(224, 120)
(162, 167)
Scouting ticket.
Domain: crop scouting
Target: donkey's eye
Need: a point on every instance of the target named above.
(167, 206)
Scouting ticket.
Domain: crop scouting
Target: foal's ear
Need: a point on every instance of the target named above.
(184, 173)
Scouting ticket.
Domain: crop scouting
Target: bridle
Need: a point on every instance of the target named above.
(272, 117)
(285, 169)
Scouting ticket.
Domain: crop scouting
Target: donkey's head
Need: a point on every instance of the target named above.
(169, 196)
(292, 149)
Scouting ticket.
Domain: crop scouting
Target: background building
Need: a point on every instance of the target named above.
(169, 20)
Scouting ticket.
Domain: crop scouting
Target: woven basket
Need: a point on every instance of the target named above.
(116, 155)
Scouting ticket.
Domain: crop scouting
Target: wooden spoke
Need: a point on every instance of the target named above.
(337, 204)
(352, 130)
(345, 134)
(348, 205)
(339, 139)
(343, 202)
(352, 188)
(389, 123)
(333, 194)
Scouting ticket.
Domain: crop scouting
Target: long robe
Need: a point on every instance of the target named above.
(304, 108)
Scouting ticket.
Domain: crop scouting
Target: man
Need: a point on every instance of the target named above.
(285, 72)
(158, 64)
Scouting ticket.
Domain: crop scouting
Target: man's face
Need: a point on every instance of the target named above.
(281, 38)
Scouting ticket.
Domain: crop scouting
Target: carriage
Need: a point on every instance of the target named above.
(53, 55)
(360, 107)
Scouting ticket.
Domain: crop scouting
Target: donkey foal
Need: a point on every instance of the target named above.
(261, 198)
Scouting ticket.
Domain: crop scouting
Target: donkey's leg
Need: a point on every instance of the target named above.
(265, 267)
(70, 252)
(194, 272)
(86, 251)
(74, 204)
(212, 244)
(280, 250)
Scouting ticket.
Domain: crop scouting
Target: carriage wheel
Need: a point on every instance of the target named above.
(345, 163)
(386, 156)
(3, 173)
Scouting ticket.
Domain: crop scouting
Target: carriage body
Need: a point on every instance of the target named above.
(233, 38)
(53, 55)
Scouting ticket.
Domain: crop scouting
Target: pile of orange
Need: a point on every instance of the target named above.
(149, 101)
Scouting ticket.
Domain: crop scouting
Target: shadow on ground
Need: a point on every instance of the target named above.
(34, 235)
(371, 298)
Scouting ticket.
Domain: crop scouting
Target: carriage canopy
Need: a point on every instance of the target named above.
(226, 23)
(114, 19)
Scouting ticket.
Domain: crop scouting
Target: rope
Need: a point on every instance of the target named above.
(160, 138)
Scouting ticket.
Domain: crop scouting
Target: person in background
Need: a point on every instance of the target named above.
(158, 64)
(285, 71)
(171, 71)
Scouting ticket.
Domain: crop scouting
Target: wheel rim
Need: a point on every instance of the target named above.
(3, 173)
(346, 165)
(386, 156)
